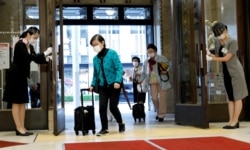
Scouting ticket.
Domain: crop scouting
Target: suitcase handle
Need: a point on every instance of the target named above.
(92, 95)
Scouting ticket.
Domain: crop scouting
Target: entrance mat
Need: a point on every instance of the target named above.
(202, 143)
(7, 144)
(113, 145)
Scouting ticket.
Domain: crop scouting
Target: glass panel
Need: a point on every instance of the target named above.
(109, 13)
(188, 53)
(222, 11)
(73, 13)
(137, 13)
(32, 12)
(59, 83)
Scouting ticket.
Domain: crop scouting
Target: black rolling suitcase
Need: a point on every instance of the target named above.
(138, 112)
(85, 116)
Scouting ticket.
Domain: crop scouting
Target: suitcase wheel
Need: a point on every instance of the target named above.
(77, 133)
(85, 132)
(93, 131)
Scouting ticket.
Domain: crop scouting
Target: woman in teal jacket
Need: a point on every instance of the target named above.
(108, 73)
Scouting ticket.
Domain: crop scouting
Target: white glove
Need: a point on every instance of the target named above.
(208, 51)
(48, 51)
(209, 58)
(224, 50)
(48, 58)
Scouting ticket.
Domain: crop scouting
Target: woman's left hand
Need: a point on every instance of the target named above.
(116, 85)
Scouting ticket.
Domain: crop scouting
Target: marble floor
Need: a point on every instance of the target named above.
(150, 129)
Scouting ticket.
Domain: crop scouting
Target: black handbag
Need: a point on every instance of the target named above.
(163, 67)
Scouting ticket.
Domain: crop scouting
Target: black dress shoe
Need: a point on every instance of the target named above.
(225, 127)
(121, 127)
(160, 119)
(30, 133)
(21, 134)
(237, 125)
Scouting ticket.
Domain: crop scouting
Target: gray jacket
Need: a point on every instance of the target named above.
(145, 72)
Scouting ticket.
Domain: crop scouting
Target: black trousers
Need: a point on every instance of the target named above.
(135, 92)
(109, 94)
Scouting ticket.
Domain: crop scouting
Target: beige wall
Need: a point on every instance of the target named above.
(9, 27)
(162, 29)
(10, 20)
(167, 47)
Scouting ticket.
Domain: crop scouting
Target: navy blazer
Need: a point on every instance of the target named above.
(22, 59)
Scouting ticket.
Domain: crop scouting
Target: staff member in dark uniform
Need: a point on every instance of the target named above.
(16, 90)
(234, 79)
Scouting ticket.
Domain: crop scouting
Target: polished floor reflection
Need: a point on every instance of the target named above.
(151, 129)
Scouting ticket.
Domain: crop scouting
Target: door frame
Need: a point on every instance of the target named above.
(57, 70)
(242, 7)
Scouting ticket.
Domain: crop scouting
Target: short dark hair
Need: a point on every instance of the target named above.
(99, 38)
(137, 58)
(152, 46)
(218, 28)
(31, 31)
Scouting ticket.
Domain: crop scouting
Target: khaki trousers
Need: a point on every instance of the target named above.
(159, 98)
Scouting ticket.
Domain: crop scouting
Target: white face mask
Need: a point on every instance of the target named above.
(221, 37)
(97, 48)
(135, 64)
(151, 55)
(32, 42)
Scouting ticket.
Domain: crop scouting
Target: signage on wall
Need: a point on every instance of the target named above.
(4, 56)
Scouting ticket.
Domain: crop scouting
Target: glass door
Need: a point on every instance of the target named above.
(190, 64)
(57, 73)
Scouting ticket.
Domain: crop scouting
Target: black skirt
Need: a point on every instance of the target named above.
(16, 89)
